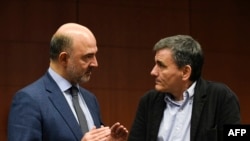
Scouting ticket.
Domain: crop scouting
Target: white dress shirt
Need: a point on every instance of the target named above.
(64, 86)
(175, 124)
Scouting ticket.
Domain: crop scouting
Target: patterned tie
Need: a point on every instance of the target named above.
(81, 117)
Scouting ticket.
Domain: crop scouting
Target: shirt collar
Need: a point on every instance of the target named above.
(188, 94)
(63, 84)
(190, 90)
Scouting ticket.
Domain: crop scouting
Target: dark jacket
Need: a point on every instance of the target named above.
(214, 105)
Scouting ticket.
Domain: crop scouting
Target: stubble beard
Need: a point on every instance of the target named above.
(76, 76)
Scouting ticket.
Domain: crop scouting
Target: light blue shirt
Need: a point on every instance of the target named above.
(64, 86)
(175, 124)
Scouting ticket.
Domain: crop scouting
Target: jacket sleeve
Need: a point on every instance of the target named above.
(229, 112)
(221, 107)
(24, 119)
(138, 129)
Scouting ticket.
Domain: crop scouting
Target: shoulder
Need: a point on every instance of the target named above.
(28, 98)
(33, 90)
(153, 96)
(215, 89)
(32, 87)
(213, 86)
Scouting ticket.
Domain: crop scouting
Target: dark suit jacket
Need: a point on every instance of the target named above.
(214, 105)
(40, 112)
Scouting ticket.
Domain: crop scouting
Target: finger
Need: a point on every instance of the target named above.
(102, 133)
(119, 131)
(122, 131)
(94, 127)
(99, 130)
(115, 126)
(98, 134)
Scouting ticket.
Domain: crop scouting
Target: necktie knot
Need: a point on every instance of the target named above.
(74, 91)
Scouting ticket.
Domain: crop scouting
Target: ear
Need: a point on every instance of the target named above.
(63, 58)
(186, 72)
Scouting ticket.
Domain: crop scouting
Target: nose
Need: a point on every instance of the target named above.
(153, 71)
(94, 62)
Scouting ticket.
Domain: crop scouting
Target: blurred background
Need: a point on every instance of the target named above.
(126, 31)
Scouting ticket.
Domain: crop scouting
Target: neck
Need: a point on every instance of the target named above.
(58, 69)
(179, 95)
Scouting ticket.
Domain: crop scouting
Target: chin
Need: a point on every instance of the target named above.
(158, 88)
(85, 79)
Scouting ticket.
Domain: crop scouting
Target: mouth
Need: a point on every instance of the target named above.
(88, 72)
(157, 81)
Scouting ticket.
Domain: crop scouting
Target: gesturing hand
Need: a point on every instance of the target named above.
(118, 133)
(97, 134)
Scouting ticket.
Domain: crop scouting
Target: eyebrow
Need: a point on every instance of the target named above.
(160, 63)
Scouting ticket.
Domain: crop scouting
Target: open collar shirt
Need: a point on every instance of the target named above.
(175, 124)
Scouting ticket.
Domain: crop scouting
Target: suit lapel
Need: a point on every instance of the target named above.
(60, 103)
(91, 104)
(199, 101)
(157, 115)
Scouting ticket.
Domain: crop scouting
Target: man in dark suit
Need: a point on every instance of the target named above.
(44, 110)
(183, 106)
